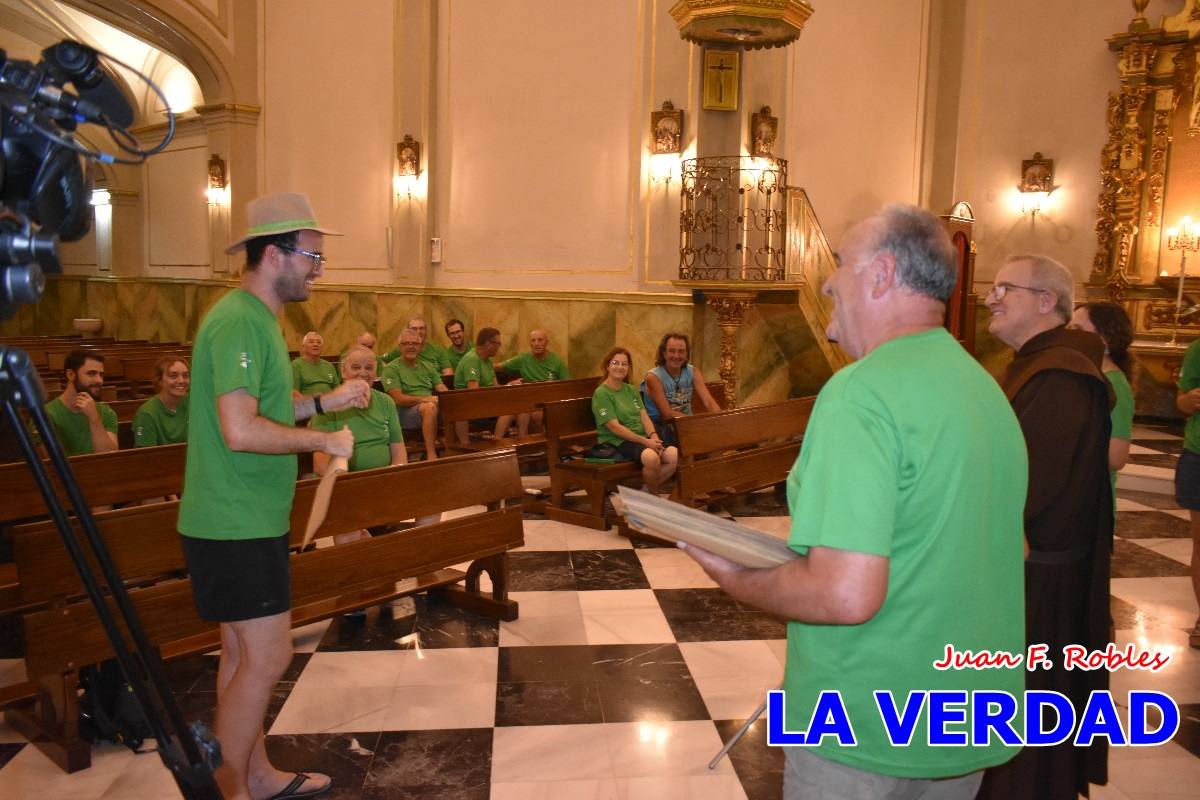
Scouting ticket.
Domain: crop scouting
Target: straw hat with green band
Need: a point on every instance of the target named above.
(282, 212)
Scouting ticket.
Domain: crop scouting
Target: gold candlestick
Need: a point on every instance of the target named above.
(1183, 238)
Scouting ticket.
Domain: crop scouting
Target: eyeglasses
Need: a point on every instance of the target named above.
(317, 258)
(1000, 289)
(615, 363)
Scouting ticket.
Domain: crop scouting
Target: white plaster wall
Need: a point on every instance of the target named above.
(1036, 77)
(328, 122)
(177, 209)
(853, 118)
(540, 139)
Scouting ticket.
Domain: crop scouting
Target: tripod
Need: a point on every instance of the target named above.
(190, 752)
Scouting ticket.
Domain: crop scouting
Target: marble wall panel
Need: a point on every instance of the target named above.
(328, 313)
(363, 312)
(552, 316)
(593, 330)
(504, 314)
(444, 309)
(759, 358)
(639, 328)
(102, 302)
(393, 311)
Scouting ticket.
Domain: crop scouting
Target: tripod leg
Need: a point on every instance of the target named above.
(737, 737)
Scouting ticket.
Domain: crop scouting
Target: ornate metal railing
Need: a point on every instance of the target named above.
(733, 219)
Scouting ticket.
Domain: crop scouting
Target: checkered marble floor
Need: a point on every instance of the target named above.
(625, 673)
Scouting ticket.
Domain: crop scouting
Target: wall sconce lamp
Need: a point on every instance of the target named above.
(666, 142)
(408, 166)
(217, 183)
(662, 169)
(1037, 182)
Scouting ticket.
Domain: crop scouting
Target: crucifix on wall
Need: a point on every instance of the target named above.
(721, 80)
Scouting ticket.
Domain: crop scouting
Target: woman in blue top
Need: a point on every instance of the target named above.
(621, 421)
(669, 389)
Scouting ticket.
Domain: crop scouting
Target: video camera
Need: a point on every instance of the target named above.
(45, 193)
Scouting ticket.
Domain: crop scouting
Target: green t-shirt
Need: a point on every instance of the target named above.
(375, 428)
(549, 368)
(155, 424)
(1189, 378)
(912, 453)
(73, 429)
(474, 368)
(1122, 415)
(435, 356)
(390, 355)
(311, 379)
(419, 381)
(625, 406)
(227, 494)
(453, 356)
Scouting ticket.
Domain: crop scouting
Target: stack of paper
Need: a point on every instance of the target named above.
(674, 522)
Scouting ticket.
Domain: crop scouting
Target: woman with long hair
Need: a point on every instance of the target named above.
(1110, 322)
(163, 419)
(621, 421)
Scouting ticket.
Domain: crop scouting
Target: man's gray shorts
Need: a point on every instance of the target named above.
(410, 417)
(807, 776)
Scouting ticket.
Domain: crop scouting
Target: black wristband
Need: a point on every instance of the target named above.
(317, 404)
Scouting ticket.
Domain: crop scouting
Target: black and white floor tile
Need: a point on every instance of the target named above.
(624, 675)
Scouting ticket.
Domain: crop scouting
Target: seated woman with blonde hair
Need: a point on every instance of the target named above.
(621, 421)
(163, 419)
(378, 439)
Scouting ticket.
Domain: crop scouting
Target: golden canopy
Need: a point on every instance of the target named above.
(750, 23)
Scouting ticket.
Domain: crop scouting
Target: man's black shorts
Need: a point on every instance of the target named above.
(239, 579)
(1187, 481)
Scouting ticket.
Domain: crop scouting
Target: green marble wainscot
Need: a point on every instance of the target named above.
(592, 333)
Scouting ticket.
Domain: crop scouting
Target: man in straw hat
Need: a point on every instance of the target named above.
(241, 476)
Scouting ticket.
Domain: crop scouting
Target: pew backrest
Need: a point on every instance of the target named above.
(106, 478)
(143, 540)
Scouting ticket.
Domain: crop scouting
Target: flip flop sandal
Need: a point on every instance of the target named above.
(291, 791)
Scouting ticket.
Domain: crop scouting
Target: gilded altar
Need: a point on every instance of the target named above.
(1150, 182)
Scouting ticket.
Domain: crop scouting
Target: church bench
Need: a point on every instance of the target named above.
(122, 476)
(57, 354)
(731, 452)
(462, 405)
(64, 633)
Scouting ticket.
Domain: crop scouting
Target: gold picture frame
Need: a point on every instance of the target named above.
(666, 129)
(764, 130)
(721, 79)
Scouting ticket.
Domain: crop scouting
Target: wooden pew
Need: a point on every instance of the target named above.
(494, 401)
(106, 478)
(143, 543)
(723, 454)
(122, 476)
(570, 429)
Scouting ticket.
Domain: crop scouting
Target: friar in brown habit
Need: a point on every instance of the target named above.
(1062, 401)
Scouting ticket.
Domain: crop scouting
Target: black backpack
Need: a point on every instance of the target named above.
(108, 708)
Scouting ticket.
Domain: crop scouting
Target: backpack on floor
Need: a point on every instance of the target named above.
(108, 708)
